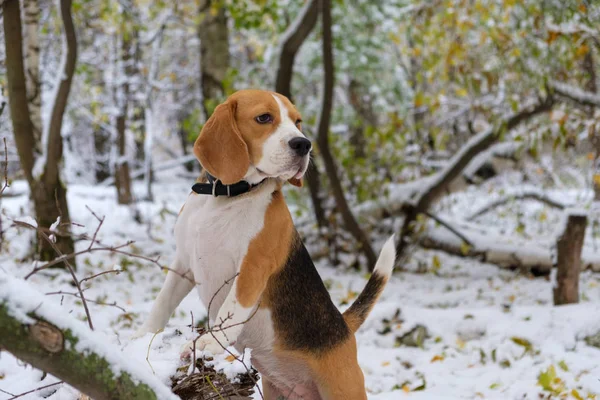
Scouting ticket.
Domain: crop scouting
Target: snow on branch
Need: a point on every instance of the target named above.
(45, 336)
(575, 94)
(528, 194)
(435, 187)
(502, 250)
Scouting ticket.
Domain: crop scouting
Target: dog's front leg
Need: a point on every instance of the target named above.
(178, 284)
(227, 326)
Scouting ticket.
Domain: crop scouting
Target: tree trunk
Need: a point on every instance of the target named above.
(50, 195)
(323, 140)
(47, 191)
(17, 92)
(32, 63)
(293, 39)
(214, 53)
(568, 247)
(122, 175)
(126, 67)
(363, 113)
(27, 331)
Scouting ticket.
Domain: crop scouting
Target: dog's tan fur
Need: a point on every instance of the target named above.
(303, 347)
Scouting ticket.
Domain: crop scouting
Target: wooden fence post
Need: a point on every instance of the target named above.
(568, 262)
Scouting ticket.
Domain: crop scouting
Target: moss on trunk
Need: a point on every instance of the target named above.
(51, 349)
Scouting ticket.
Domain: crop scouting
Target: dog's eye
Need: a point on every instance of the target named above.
(298, 122)
(264, 118)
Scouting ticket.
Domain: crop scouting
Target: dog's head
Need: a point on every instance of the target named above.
(254, 134)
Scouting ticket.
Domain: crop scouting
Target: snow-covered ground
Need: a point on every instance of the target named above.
(489, 332)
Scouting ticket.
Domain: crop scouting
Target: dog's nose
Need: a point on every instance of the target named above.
(300, 145)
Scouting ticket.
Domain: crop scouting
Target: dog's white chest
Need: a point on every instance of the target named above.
(213, 234)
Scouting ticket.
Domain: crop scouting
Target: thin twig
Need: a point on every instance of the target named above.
(69, 267)
(448, 226)
(35, 390)
(100, 303)
(8, 393)
(148, 352)
(110, 271)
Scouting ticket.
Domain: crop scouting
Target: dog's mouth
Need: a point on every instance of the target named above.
(296, 170)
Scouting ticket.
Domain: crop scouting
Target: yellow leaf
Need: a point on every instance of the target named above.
(597, 179)
(385, 363)
(582, 50)
(465, 248)
(512, 298)
(405, 389)
(419, 99)
(394, 38)
(516, 52)
(591, 156)
(552, 36)
(462, 92)
(230, 358)
(437, 357)
(576, 394)
(582, 8)
(436, 262)
(543, 216)
(460, 343)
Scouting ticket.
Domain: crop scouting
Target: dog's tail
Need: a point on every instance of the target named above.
(360, 309)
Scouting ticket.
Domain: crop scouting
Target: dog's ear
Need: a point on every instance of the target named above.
(296, 182)
(220, 147)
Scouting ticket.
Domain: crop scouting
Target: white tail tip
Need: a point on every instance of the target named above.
(387, 258)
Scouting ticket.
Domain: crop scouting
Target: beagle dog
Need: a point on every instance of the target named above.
(236, 239)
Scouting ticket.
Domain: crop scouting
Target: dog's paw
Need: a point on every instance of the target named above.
(205, 343)
(143, 331)
(138, 334)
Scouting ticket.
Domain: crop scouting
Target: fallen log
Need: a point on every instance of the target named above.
(502, 250)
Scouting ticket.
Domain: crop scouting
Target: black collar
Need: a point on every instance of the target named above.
(216, 188)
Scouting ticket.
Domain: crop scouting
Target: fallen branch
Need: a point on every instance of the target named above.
(502, 250)
(524, 195)
(43, 335)
(436, 186)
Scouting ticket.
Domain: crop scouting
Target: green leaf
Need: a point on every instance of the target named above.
(563, 365)
(526, 344)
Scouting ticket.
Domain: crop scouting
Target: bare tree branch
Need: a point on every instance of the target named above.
(526, 195)
(575, 94)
